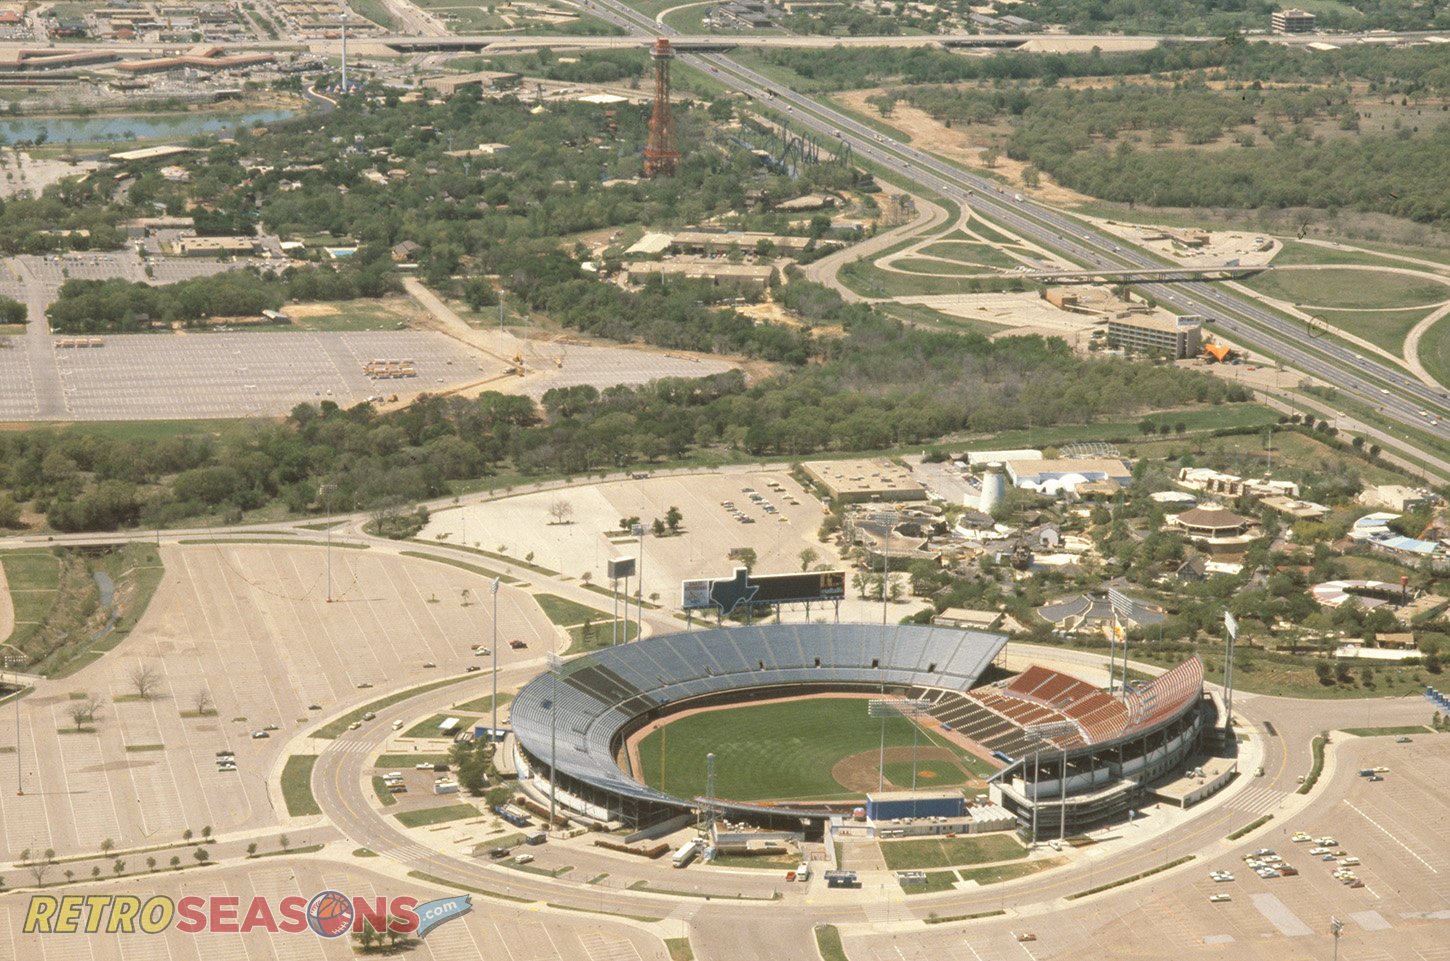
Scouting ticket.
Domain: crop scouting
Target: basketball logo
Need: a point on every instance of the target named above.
(329, 914)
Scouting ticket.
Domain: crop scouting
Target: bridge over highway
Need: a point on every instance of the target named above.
(1142, 275)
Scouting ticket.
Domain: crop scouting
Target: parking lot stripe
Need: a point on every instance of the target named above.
(1408, 849)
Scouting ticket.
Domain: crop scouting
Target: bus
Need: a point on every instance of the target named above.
(687, 852)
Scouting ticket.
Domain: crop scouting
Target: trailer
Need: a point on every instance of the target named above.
(688, 852)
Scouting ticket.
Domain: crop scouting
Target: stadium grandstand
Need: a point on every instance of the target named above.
(1112, 745)
(583, 715)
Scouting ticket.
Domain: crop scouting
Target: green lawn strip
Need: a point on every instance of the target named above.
(429, 727)
(996, 873)
(482, 705)
(297, 785)
(1435, 350)
(408, 760)
(1316, 768)
(828, 943)
(270, 540)
(600, 635)
(305, 849)
(444, 882)
(936, 882)
(679, 949)
(1251, 826)
(541, 871)
(364, 853)
(1387, 731)
(606, 592)
(564, 612)
(1349, 288)
(141, 748)
(1133, 877)
(647, 919)
(335, 727)
(918, 853)
(948, 919)
(462, 565)
(758, 862)
(440, 815)
(679, 893)
(380, 788)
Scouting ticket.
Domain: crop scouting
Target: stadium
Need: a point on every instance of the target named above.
(1033, 726)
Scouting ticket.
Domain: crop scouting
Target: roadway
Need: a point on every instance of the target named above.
(1397, 396)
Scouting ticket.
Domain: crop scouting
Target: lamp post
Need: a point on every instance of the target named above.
(556, 664)
(326, 491)
(1335, 926)
(14, 661)
(493, 734)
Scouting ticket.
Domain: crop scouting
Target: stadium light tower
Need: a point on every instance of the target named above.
(910, 708)
(556, 665)
(637, 531)
(1335, 926)
(14, 662)
(1044, 733)
(493, 651)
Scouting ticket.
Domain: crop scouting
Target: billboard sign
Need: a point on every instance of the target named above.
(621, 567)
(726, 594)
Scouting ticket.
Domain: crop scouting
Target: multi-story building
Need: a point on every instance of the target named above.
(1176, 337)
(1292, 21)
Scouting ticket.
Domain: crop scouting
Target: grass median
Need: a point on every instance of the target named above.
(297, 785)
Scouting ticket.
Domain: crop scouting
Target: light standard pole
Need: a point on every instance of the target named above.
(326, 492)
(637, 531)
(556, 664)
(1335, 926)
(14, 661)
(909, 708)
(493, 704)
(1044, 734)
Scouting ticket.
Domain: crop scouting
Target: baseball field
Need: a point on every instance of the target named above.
(821, 748)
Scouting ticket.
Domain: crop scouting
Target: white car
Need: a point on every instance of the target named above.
(1220, 876)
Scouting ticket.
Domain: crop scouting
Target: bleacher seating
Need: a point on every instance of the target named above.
(601, 693)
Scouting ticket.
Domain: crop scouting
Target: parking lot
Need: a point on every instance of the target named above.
(1396, 828)
(493, 929)
(251, 626)
(709, 530)
(144, 376)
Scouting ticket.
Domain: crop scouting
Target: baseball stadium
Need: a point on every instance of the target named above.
(799, 719)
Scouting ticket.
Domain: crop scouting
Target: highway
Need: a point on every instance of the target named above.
(1391, 390)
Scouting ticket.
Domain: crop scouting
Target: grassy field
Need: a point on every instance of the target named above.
(1348, 288)
(297, 785)
(927, 317)
(482, 705)
(1383, 328)
(1435, 350)
(429, 728)
(1008, 872)
(380, 788)
(426, 816)
(601, 634)
(565, 612)
(767, 751)
(936, 881)
(390, 313)
(33, 577)
(408, 760)
(828, 943)
(917, 853)
(1403, 730)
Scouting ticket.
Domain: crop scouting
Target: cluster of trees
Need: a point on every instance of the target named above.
(1409, 71)
(1217, 17)
(589, 66)
(111, 306)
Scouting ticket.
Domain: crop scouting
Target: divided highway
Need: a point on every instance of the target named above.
(1393, 392)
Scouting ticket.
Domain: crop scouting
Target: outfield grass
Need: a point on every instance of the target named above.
(929, 774)
(297, 785)
(426, 816)
(768, 751)
(565, 612)
(918, 853)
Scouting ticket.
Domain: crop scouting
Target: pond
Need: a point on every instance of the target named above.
(122, 129)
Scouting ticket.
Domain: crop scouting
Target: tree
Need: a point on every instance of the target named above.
(186, 835)
(285, 842)
(201, 855)
(119, 867)
(203, 702)
(747, 557)
(151, 864)
(206, 833)
(673, 517)
(561, 510)
(658, 528)
(12, 311)
(808, 557)
(1324, 672)
(176, 862)
(627, 523)
(107, 846)
(84, 711)
(40, 867)
(252, 849)
(144, 680)
(367, 937)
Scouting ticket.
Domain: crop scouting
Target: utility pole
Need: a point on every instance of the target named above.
(13, 661)
(1231, 632)
(556, 664)
(326, 491)
(1335, 926)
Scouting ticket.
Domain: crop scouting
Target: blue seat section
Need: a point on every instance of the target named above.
(601, 693)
